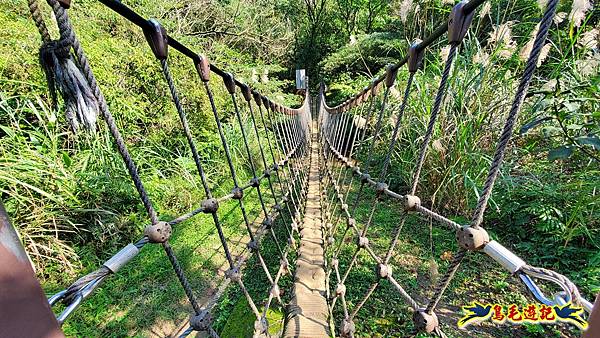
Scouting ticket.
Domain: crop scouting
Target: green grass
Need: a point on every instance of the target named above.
(386, 314)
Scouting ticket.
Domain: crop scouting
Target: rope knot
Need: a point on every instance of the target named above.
(60, 48)
(411, 202)
(237, 193)
(425, 321)
(362, 242)
(348, 328)
(252, 246)
(383, 270)
(233, 274)
(202, 321)
(471, 238)
(64, 77)
(268, 222)
(381, 187)
(158, 233)
(210, 206)
(340, 290)
(365, 177)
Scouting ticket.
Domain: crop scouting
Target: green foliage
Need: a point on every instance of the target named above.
(70, 195)
(368, 54)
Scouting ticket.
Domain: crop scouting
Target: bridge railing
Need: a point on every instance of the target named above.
(282, 135)
(343, 130)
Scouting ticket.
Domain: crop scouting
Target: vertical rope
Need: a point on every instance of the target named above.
(530, 66)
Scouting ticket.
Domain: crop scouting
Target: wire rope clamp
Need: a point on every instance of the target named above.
(210, 206)
(116, 262)
(411, 202)
(340, 290)
(351, 223)
(458, 22)
(383, 270)
(261, 326)
(157, 38)
(252, 246)
(365, 177)
(202, 321)
(255, 182)
(275, 292)
(345, 207)
(277, 207)
(330, 240)
(268, 222)
(229, 82)
(415, 56)
(284, 199)
(233, 274)
(424, 321)
(237, 193)
(335, 262)
(294, 226)
(202, 67)
(348, 328)
(267, 173)
(340, 197)
(158, 233)
(503, 256)
(275, 167)
(246, 92)
(390, 75)
(362, 242)
(356, 169)
(285, 265)
(472, 238)
(380, 188)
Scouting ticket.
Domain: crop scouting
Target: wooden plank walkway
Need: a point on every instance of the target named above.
(308, 314)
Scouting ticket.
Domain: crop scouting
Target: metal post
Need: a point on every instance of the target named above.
(24, 308)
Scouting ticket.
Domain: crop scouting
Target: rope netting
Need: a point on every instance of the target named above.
(350, 136)
(281, 133)
(283, 136)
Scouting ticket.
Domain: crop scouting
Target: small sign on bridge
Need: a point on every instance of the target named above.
(300, 79)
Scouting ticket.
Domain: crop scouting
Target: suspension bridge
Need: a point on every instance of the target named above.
(309, 188)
